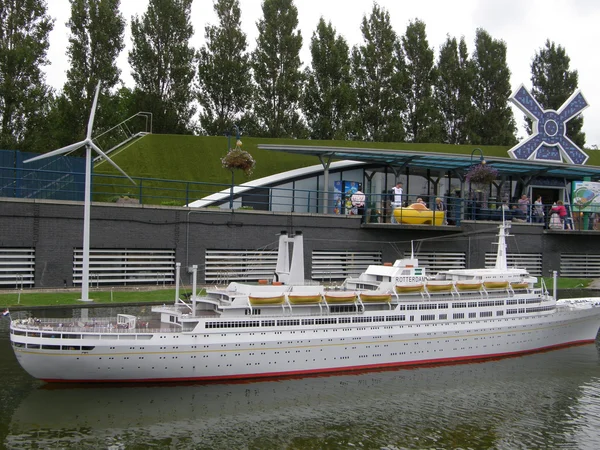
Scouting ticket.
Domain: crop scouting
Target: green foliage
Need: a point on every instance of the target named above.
(24, 95)
(422, 123)
(553, 83)
(224, 73)
(379, 77)
(95, 41)
(276, 64)
(454, 91)
(161, 61)
(493, 123)
(328, 99)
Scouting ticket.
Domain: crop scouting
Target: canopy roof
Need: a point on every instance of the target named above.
(441, 161)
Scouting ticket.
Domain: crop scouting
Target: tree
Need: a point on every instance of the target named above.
(224, 74)
(494, 123)
(422, 125)
(95, 42)
(162, 64)
(379, 78)
(453, 91)
(553, 83)
(328, 98)
(24, 95)
(276, 64)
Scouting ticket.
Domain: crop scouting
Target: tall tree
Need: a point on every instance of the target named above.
(328, 98)
(162, 64)
(379, 77)
(95, 41)
(553, 83)
(453, 91)
(494, 123)
(24, 31)
(422, 125)
(224, 74)
(276, 64)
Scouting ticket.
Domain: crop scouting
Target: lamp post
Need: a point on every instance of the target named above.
(481, 160)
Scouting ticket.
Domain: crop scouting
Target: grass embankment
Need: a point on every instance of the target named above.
(61, 298)
(70, 298)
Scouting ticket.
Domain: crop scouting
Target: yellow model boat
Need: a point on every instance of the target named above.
(468, 285)
(418, 214)
(409, 288)
(439, 286)
(372, 297)
(299, 299)
(495, 284)
(340, 297)
(266, 300)
(519, 285)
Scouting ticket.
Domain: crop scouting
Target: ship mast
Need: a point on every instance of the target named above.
(501, 263)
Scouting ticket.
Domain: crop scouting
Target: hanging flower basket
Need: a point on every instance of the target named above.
(236, 158)
(481, 174)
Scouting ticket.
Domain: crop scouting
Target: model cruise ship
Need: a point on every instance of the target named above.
(391, 315)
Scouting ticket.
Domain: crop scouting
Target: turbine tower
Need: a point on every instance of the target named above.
(89, 145)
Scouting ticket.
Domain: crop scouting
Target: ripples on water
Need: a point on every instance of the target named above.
(548, 400)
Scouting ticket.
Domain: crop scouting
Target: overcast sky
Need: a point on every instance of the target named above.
(523, 24)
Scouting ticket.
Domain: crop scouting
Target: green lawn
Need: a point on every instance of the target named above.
(61, 298)
(167, 296)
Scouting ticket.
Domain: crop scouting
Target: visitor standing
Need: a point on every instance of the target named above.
(538, 210)
(524, 205)
(397, 203)
(440, 206)
(358, 202)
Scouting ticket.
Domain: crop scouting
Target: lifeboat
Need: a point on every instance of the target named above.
(304, 299)
(468, 285)
(495, 284)
(340, 297)
(519, 285)
(439, 286)
(407, 288)
(375, 297)
(266, 299)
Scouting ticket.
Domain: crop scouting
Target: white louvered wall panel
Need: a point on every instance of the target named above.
(223, 266)
(575, 265)
(17, 267)
(339, 265)
(530, 261)
(123, 266)
(435, 262)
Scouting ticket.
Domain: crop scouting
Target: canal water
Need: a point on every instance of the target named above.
(546, 400)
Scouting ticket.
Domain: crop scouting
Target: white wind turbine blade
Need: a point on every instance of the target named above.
(108, 160)
(60, 151)
(92, 114)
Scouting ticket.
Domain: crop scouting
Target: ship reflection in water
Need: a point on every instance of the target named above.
(546, 400)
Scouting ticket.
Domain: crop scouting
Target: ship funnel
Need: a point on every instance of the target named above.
(290, 259)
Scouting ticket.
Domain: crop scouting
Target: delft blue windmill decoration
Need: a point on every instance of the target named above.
(548, 141)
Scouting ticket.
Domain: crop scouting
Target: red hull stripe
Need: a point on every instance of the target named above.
(365, 368)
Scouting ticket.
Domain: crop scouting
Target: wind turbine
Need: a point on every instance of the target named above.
(89, 145)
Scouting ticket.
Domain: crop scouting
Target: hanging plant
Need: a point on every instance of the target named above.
(236, 158)
(481, 174)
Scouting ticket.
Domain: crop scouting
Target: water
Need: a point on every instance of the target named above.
(547, 400)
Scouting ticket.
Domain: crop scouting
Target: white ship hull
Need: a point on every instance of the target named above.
(237, 354)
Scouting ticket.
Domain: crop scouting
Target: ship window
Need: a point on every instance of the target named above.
(472, 304)
(378, 319)
(18, 344)
(499, 313)
(472, 315)
(50, 347)
(428, 317)
(443, 316)
(344, 320)
(87, 347)
(308, 321)
(485, 314)
(33, 345)
(511, 311)
(326, 321)
(71, 347)
(460, 305)
(458, 315)
(71, 336)
(268, 323)
(361, 319)
(511, 302)
(19, 333)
